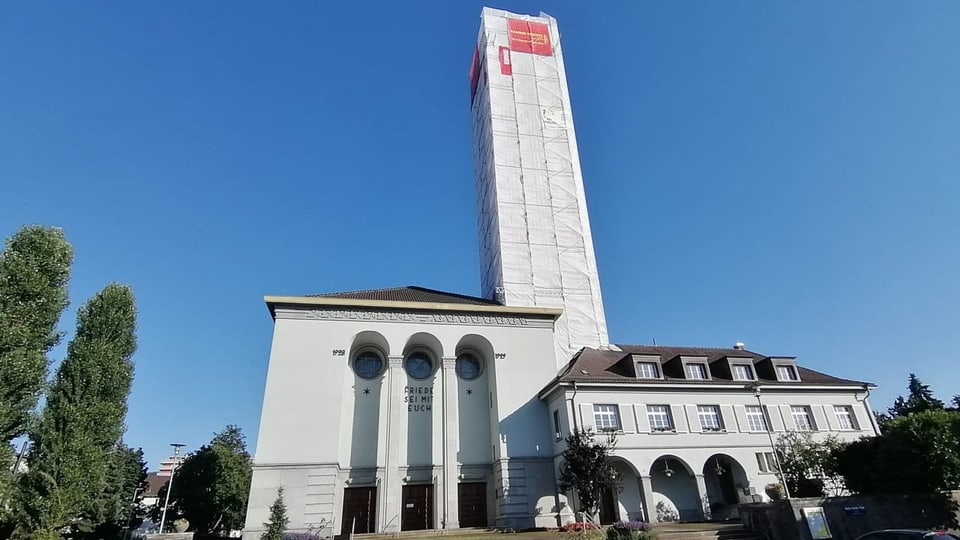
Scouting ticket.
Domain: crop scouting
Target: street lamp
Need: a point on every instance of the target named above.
(756, 393)
(133, 508)
(173, 472)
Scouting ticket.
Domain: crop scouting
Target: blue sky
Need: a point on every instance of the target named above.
(783, 174)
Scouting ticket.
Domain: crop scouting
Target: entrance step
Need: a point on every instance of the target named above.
(704, 531)
(426, 533)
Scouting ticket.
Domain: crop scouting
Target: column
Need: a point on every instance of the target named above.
(646, 489)
(396, 427)
(702, 494)
(451, 434)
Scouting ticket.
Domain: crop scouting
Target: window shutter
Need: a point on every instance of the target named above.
(863, 421)
(741, 414)
(692, 419)
(586, 416)
(773, 414)
(831, 417)
(643, 423)
(788, 422)
(679, 418)
(627, 422)
(819, 418)
(729, 420)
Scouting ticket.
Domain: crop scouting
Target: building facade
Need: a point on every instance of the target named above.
(406, 409)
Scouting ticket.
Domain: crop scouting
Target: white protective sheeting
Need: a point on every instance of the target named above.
(535, 245)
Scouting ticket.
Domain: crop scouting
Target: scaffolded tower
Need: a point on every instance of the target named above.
(536, 248)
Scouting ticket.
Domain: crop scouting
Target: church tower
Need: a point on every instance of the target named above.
(536, 249)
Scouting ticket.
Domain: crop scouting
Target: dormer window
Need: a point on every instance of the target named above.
(742, 372)
(787, 373)
(648, 370)
(696, 371)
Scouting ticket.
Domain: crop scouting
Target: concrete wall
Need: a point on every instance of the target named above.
(324, 428)
(850, 517)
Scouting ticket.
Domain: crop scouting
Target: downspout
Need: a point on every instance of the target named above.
(573, 406)
(870, 415)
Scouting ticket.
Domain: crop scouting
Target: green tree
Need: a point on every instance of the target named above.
(917, 453)
(34, 270)
(211, 486)
(585, 467)
(277, 524)
(119, 506)
(83, 420)
(919, 398)
(809, 467)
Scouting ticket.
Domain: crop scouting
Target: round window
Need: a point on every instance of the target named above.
(368, 365)
(468, 366)
(419, 365)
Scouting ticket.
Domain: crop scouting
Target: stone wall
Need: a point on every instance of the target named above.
(850, 517)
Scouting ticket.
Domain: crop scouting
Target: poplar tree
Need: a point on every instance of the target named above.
(34, 270)
(83, 420)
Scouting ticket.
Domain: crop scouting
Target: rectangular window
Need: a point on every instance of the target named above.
(659, 417)
(556, 425)
(766, 462)
(606, 417)
(742, 372)
(710, 419)
(845, 417)
(802, 418)
(756, 420)
(647, 370)
(787, 373)
(697, 372)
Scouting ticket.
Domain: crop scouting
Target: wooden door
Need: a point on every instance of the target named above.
(608, 509)
(472, 504)
(417, 511)
(359, 510)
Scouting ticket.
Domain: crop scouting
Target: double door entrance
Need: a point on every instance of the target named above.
(416, 512)
(472, 504)
(359, 510)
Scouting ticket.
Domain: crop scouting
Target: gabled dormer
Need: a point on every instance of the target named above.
(695, 368)
(734, 368)
(646, 366)
(779, 368)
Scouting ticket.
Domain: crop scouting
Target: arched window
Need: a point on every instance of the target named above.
(468, 366)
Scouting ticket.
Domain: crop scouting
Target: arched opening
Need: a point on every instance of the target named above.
(675, 494)
(626, 494)
(725, 481)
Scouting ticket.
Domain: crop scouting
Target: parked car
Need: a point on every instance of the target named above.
(908, 534)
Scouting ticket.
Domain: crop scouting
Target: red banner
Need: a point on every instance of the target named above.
(529, 37)
(505, 66)
(474, 73)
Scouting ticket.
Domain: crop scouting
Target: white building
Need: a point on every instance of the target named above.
(410, 408)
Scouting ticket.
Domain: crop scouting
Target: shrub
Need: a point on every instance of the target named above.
(301, 536)
(630, 530)
(578, 526)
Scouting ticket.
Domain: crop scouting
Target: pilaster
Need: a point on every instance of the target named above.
(646, 489)
(702, 495)
(389, 519)
(451, 431)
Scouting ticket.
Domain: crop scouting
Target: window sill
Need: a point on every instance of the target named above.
(712, 431)
(663, 432)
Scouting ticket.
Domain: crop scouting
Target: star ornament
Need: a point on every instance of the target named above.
(469, 391)
(366, 391)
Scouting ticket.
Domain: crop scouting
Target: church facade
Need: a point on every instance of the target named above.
(404, 409)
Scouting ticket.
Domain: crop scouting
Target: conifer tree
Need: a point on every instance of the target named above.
(277, 524)
(34, 270)
(920, 398)
(83, 420)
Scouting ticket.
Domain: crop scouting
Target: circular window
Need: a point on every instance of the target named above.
(368, 365)
(419, 365)
(468, 366)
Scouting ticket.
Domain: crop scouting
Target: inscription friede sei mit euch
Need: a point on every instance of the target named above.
(418, 398)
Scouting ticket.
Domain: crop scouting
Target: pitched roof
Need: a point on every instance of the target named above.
(154, 483)
(410, 293)
(599, 366)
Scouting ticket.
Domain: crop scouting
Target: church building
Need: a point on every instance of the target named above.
(409, 408)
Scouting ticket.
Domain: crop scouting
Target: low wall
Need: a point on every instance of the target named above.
(849, 517)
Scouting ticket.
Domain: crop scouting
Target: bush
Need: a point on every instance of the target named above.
(578, 526)
(630, 530)
(301, 536)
